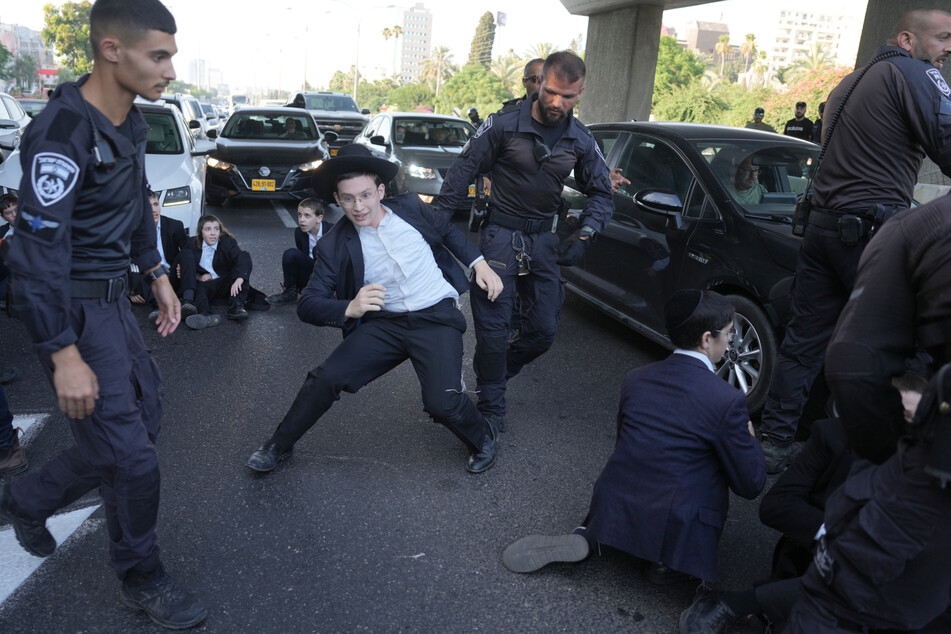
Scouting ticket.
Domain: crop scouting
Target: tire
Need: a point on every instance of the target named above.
(749, 361)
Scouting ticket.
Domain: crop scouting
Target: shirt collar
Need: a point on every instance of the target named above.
(213, 247)
(697, 355)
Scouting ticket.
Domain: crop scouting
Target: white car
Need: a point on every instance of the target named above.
(174, 164)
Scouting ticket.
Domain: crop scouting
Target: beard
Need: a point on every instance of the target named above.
(551, 117)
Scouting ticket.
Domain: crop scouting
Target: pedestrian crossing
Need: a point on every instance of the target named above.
(17, 565)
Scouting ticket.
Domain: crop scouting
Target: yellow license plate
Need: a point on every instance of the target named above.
(471, 191)
(261, 185)
(333, 151)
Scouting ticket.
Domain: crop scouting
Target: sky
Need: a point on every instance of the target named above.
(264, 44)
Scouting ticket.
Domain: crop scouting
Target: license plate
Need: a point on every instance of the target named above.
(261, 185)
(333, 151)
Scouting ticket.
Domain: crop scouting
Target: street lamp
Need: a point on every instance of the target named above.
(356, 66)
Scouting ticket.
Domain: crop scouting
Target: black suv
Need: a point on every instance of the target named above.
(334, 112)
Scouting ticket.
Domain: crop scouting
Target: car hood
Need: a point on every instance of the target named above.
(428, 156)
(341, 115)
(260, 152)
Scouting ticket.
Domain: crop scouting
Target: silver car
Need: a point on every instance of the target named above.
(13, 120)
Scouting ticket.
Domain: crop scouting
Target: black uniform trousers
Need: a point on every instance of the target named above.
(888, 536)
(297, 268)
(430, 338)
(825, 275)
(542, 293)
(114, 447)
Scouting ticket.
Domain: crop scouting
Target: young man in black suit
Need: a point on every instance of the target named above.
(387, 277)
(298, 263)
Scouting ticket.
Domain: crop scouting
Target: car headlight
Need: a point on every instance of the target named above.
(177, 196)
(415, 171)
(306, 167)
(221, 165)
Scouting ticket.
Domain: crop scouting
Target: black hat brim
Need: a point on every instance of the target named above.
(324, 180)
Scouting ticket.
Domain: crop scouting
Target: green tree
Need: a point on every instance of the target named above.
(24, 72)
(6, 68)
(407, 98)
(722, 49)
(692, 103)
(540, 50)
(480, 52)
(748, 49)
(396, 32)
(373, 95)
(508, 69)
(438, 68)
(817, 59)
(471, 86)
(676, 66)
(341, 81)
(67, 31)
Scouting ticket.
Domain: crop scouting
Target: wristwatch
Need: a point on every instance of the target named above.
(157, 273)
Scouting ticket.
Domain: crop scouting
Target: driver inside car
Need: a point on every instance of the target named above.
(744, 183)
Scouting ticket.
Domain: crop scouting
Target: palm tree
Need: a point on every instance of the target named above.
(722, 48)
(396, 33)
(438, 68)
(508, 69)
(815, 60)
(748, 48)
(540, 50)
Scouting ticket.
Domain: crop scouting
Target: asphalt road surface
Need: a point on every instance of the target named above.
(373, 525)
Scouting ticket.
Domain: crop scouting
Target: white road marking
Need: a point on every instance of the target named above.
(283, 214)
(16, 565)
(29, 424)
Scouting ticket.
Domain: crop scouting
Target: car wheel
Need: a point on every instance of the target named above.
(749, 361)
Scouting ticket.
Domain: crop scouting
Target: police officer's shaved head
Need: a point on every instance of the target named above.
(565, 65)
(528, 66)
(129, 20)
(916, 21)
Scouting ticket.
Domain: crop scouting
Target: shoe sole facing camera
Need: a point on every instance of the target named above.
(135, 605)
(198, 322)
(534, 552)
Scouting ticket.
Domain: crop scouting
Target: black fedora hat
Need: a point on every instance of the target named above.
(350, 158)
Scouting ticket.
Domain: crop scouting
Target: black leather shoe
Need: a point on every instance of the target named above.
(662, 575)
(267, 457)
(497, 422)
(31, 533)
(237, 312)
(483, 459)
(166, 604)
(707, 615)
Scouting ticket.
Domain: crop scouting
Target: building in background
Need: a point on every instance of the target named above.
(22, 41)
(797, 31)
(703, 36)
(417, 40)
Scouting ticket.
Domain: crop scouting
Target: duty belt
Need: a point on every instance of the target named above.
(854, 224)
(109, 290)
(518, 223)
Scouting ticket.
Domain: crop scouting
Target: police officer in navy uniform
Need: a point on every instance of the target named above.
(84, 216)
(863, 179)
(528, 152)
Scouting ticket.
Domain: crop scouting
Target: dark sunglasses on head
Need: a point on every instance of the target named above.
(533, 78)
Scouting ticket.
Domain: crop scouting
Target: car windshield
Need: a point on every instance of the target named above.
(331, 102)
(763, 177)
(266, 125)
(208, 109)
(432, 132)
(163, 137)
(33, 108)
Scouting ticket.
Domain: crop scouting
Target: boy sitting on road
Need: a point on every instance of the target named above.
(298, 263)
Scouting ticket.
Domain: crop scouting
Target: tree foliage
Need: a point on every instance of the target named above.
(471, 86)
(480, 52)
(817, 59)
(373, 95)
(676, 66)
(438, 68)
(67, 31)
(407, 98)
(24, 71)
(6, 68)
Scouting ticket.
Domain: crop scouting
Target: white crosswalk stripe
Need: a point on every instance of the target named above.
(30, 424)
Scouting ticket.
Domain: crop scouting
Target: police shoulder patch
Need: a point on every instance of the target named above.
(935, 75)
(53, 176)
(484, 127)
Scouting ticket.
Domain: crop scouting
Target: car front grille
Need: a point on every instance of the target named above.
(278, 174)
(346, 130)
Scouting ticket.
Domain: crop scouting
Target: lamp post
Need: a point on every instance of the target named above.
(359, 14)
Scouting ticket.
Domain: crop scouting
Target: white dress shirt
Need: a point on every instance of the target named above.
(697, 355)
(158, 240)
(207, 257)
(312, 239)
(396, 256)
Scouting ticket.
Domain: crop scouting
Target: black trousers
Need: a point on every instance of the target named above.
(430, 338)
(184, 284)
(221, 287)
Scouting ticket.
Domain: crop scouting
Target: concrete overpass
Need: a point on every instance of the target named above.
(624, 35)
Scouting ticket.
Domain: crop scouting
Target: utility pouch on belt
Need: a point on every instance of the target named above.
(801, 215)
(851, 229)
(480, 206)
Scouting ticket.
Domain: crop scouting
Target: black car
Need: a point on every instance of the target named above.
(708, 207)
(334, 112)
(265, 153)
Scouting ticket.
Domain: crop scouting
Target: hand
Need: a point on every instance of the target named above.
(236, 287)
(617, 179)
(204, 277)
(487, 279)
(170, 309)
(369, 298)
(571, 250)
(136, 299)
(76, 385)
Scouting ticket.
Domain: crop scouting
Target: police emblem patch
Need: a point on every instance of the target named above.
(484, 127)
(53, 176)
(939, 81)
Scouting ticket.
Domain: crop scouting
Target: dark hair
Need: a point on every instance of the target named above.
(357, 174)
(910, 382)
(129, 20)
(205, 220)
(690, 313)
(822, 107)
(313, 205)
(531, 63)
(565, 65)
(8, 199)
(153, 194)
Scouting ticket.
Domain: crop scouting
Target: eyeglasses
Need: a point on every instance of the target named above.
(350, 201)
(533, 78)
(730, 334)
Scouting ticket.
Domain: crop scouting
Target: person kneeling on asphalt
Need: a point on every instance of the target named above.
(684, 438)
(298, 262)
(387, 277)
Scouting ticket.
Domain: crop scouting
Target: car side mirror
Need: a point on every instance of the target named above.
(365, 111)
(330, 137)
(377, 140)
(8, 123)
(662, 202)
(194, 124)
(203, 148)
(212, 134)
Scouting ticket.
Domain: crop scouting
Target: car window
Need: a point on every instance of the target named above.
(243, 125)
(761, 176)
(331, 102)
(606, 140)
(652, 164)
(163, 136)
(209, 110)
(448, 132)
(12, 107)
(3, 110)
(372, 128)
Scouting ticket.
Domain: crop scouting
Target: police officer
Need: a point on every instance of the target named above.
(884, 563)
(531, 81)
(529, 151)
(84, 215)
(895, 115)
(474, 116)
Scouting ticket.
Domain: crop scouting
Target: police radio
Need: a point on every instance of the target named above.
(480, 206)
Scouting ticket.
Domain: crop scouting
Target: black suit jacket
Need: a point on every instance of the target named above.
(229, 261)
(4, 229)
(173, 237)
(303, 243)
(338, 276)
